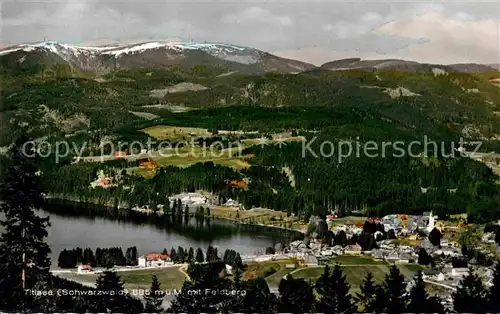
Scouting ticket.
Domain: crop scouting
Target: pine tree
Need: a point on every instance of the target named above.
(129, 257)
(368, 295)
(238, 262)
(470, 296)
(173, 255)
(215, 255)
(199, 256)
(494, 293)
(154, 299)
(237, 302)
(333, 291)
(110, 288)
(423, 257)
(435, 237)
(258, 298)
(190, 255)
(204, 277)
(209, 255)
(22, 243)
(394, 288)
(420, 301)
(296, 295)
(181, 255)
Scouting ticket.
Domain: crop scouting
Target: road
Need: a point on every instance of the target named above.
(440, 284)
(167, 299)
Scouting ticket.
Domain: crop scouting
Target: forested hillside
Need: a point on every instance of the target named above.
(50, 101)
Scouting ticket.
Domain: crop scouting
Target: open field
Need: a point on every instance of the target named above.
(258, 216)
(355, 260)
(406, 241)
(184, 157)
(274, 280)
(188, 156)
(349, 220)
(267, 269)
(162, 132)
(233, 162)
(272, 271)
(169, 278)
(356, 273)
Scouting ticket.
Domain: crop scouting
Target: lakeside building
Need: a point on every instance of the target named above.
(84, 269)
(154, 260)
(102, 181)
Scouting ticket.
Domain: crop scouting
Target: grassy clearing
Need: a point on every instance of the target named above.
(162, 132)
(272, 271)
(258, 216)
(355, 260)
(349, 220)
(169, 277)
(356, 274)
(407, 241)
(274, 279)
(200, 156)
(263, 269)
(188, 156)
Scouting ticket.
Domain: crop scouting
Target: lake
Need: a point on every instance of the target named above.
(76, 225)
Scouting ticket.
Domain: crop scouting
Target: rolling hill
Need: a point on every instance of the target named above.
(59, 89)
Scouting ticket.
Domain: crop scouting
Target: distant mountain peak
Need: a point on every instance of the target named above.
(165, 53)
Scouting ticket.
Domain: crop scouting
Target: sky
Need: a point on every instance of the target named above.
(314, 31)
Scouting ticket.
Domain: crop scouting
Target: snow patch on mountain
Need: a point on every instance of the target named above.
(4, 52)
(136, 48)
(89, 56)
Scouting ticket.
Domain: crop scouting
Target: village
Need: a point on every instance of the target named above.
(400, 239)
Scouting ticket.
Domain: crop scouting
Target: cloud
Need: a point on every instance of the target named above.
(448, 40)
(363, 25)
(430, 37)
(257, 14)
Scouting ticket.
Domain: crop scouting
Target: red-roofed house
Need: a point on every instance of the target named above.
(84, 269)
(154, 260)
(353, 249)
(120, 154)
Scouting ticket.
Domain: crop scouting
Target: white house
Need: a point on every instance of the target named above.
(84, 269)
(440, 277)
(231, 203)
(154, 260)
(459, 272)
(327, 252)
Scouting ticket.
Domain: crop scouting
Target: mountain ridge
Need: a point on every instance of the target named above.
(160, 54)
(157, 54)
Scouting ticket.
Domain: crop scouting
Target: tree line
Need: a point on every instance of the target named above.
(408, 185)
(330, 293)
(110, 257)
(182, 255)
(103, 257)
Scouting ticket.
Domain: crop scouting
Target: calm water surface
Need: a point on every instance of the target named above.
(75, 226)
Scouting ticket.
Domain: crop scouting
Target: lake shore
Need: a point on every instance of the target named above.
(258, 217)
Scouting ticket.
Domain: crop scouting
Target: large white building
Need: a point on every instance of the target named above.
(154, 260)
